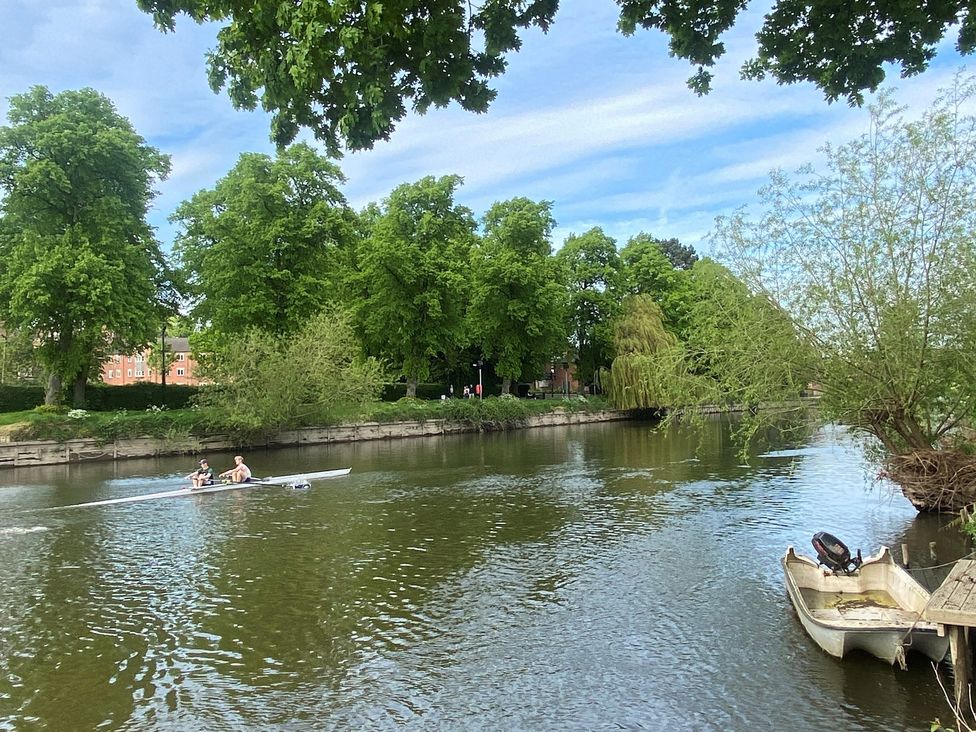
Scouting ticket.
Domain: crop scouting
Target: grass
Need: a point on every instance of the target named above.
(176, 424)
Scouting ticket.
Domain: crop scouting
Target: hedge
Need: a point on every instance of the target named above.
(393, 392)
(137, 397)
(102, 398)
(20, 398)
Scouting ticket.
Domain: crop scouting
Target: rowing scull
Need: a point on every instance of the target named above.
(295, 481)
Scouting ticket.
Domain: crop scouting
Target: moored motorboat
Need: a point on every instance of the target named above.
(875, 606)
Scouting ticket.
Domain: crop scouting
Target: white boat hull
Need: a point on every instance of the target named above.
(857, 622)
(296, 480)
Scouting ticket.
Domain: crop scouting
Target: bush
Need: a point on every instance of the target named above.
(138, 397)
(19, 398)
(395, 392)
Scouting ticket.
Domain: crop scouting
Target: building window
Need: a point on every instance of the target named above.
(180, 372)
(181, 357)
(128, 372)
(118, 373)
(140, 373)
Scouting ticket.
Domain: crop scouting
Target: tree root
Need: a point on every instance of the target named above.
(935, 480)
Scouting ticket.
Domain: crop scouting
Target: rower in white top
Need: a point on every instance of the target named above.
(240, 473)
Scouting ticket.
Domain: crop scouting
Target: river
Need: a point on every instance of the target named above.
(598, 577)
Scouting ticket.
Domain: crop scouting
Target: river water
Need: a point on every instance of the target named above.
(597, 577)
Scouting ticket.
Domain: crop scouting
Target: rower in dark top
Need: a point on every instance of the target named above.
(202, 476)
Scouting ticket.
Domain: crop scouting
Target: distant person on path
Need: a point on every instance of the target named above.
(201, 476)
(467, 392)
(240, 473)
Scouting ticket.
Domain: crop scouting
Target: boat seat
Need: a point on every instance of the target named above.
(869, 616)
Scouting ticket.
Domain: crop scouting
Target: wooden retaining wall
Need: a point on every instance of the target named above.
(44, 452)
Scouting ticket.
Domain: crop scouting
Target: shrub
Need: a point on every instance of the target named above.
(19, 398)
(138, 397)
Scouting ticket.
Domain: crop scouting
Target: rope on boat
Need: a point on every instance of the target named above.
(912, 570)
(900, 656)
(900, 651)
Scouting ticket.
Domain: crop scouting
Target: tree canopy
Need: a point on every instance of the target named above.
(647, 268)
(518, 294)
(873, 257)
(266, 248)
(348, 71)
(80, 269)
(593, 266)
(413, 276)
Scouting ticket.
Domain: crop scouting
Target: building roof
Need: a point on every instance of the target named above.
(178, 344)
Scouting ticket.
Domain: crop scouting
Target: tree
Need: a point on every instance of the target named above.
(681, 256)
(18, 358)
(518, 297)
(413, 276)
(349, 70)
(593, 266)
(265, 381)
(80, 269)
(744, 345)
(650, 370)
(874, 260)
(646, 268)
(267, 247)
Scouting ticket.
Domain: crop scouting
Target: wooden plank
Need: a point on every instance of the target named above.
(954, 603)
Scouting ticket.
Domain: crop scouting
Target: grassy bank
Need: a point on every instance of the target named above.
(491, 413)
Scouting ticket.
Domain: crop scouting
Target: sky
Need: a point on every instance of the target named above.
(602, 125)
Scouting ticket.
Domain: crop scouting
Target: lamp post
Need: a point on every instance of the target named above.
(481, 389)
(552, 382)
(566, 377)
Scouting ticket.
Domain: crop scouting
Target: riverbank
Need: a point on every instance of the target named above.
(53, 452)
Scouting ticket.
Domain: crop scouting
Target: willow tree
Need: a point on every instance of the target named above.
(265, 381)
(648, 267)
(873, 258)
(650, 370)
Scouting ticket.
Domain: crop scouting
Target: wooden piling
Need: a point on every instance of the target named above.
(953, 606)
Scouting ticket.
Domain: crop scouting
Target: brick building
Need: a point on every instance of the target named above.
(118, 370)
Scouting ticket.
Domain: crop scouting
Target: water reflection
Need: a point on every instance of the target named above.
(570, 578)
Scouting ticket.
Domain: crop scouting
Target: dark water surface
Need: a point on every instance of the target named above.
(581, 578)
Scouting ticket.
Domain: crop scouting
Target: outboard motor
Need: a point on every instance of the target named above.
(834, 554)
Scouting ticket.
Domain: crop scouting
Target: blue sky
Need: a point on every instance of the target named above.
(602, 125)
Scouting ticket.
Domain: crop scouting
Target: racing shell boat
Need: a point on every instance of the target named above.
(298, 480)
(872, 605)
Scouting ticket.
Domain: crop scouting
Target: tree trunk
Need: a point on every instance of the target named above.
(506, 385)
(78, 390)
(52, 394)
(412, 386)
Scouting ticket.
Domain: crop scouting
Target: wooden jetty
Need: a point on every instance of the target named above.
(953, 607)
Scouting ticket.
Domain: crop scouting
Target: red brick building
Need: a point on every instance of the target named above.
(118, 370)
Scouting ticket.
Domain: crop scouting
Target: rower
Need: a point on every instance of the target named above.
(202, 476)
(240, 473)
